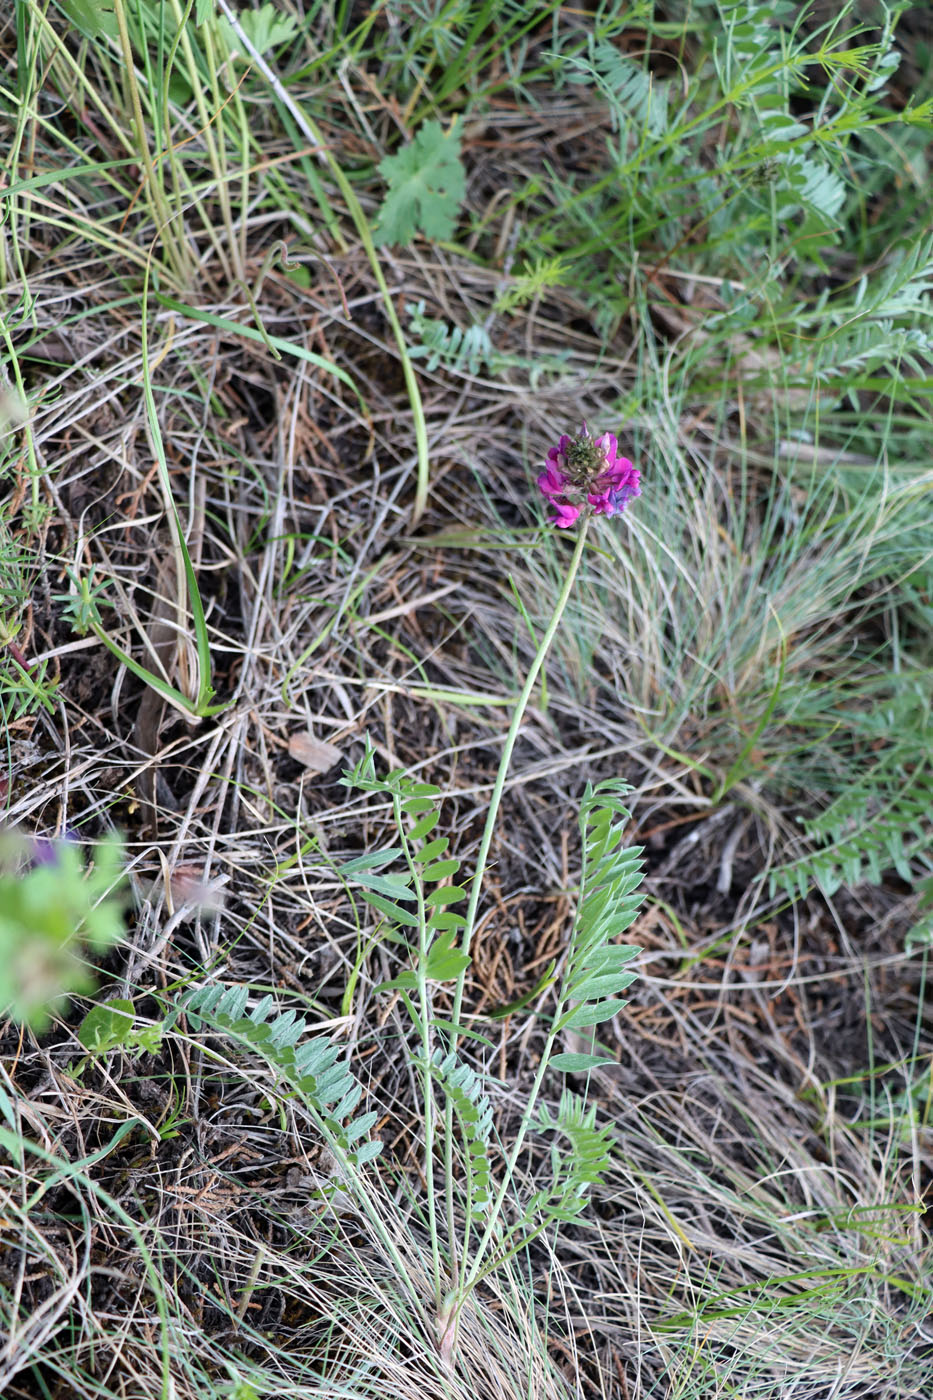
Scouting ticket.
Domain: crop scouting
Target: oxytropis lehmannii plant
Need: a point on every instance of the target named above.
(476, 1216)
(415, 886)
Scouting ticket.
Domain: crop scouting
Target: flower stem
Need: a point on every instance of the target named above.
(491, 816)
(499, 785)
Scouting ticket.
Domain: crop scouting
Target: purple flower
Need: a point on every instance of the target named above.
(584, 471)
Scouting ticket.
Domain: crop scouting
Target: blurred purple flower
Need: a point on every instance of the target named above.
(42, 850)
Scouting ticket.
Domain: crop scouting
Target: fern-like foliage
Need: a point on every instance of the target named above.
(537, 277)
(464, 1089)
(884, 323)
(596, 968)
(748, 54)
(577, 1166)
(635, 99)
(882, 820)
(463, 351)
(861, 835)
(317, 1070)
(471, 351)
(427, 883)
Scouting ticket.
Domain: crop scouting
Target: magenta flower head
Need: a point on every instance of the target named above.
(584, 471)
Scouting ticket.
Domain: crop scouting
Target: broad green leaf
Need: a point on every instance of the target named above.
(95, 19)
(107, 1026)
(447, 969)
(427, 183)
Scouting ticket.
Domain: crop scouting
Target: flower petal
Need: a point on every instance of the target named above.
(552, 480)
(566, 514)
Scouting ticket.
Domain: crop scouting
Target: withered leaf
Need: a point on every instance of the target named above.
(315, 754)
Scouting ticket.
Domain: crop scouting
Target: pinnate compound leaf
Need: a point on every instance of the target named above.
(609, 902)
(585, 1162)
(427, 183)
(317, 1070)
(464, 1089)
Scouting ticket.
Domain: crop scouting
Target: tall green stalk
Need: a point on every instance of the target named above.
(485, 844)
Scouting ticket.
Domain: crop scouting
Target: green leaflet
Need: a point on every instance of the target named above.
(576, 1063)
(441, 870)
(445, 962)
(431, 850)
(371, 860)
(391, 911)
(392, 886)
(446, 894)
(423, 828)
(590, 1014)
